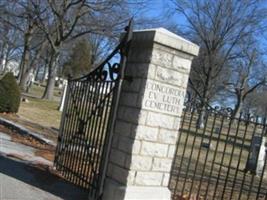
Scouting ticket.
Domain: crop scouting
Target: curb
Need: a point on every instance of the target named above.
(24, 131)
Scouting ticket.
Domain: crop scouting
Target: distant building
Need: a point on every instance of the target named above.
(12, 66)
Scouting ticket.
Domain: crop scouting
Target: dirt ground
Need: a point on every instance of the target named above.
(47, 132)
(42, 150)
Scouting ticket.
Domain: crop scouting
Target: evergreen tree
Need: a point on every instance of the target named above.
(79, 61)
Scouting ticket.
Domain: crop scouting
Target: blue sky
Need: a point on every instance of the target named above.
(159, 8)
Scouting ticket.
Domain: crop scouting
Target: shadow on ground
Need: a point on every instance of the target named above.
(14, 173)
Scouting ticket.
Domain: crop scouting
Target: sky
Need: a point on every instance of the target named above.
(161, 8)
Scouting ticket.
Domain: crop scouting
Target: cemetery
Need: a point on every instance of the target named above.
(100, 105)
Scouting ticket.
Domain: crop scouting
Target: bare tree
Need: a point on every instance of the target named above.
(255, 103)
(218, 27)
(248, 74)
(64, 21)
(10, 42)
(20, 16)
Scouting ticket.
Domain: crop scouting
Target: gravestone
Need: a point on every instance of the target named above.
(149, 113)
(261, 157)
(255, 162)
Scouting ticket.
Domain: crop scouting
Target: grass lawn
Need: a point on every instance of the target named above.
(38, 91)
(41, 111)
(38, 115)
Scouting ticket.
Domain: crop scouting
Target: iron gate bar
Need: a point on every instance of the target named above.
(244, 177)
(88, 119)
(179, 140)
(79, 134)
(175, 157)
(239, 160)
(102, 134)
(264, 163)
(231, 157)
(73, 138)
(206, 156)
(94, 134)
(223, 156)
(202, 139)
(214, 156)
(262, 174)
(83, 114)
(74, 127)
(217, 172)
(252, 181)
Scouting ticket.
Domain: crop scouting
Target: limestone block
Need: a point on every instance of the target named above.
(171, 151)
(148, 178)
(143, 56)
(181, 64)
(177, 122)
(160, 120)
(117, 157)
(137, 162)
(166, 179)
(162, 164)
(168, 136)
(115, 140)
(132, 86)
(131, 177)
(154, 149)
(173, 41)
(129, 145)
(124, 128)
(115, 191)
(163, 98)
(145, 133)
(118, 173)
(161, 58)
(141, 70)
(129, 99)
(132, 115)
(171, 77)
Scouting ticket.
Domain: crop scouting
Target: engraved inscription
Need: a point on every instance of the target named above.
(164, 76)
(163, 98)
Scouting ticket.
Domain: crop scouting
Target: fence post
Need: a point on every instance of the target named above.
(63, 97)
(149, 113)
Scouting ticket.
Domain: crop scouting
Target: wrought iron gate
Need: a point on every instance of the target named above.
(87, 121)
(224, 157)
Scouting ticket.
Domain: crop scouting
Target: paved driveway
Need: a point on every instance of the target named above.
(20, 181)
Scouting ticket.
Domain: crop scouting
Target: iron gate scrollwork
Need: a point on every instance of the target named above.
(88, 119)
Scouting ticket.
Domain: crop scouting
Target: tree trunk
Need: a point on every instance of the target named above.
(204, 102)
(238, 107)
(24, 80)
(44, 73)
(6, 63)
(52, 72)
(5, 58)
(36, 59)
(2, 58)
(37, 73)
(25, 60)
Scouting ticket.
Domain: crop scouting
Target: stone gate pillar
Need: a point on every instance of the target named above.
(148, 117)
